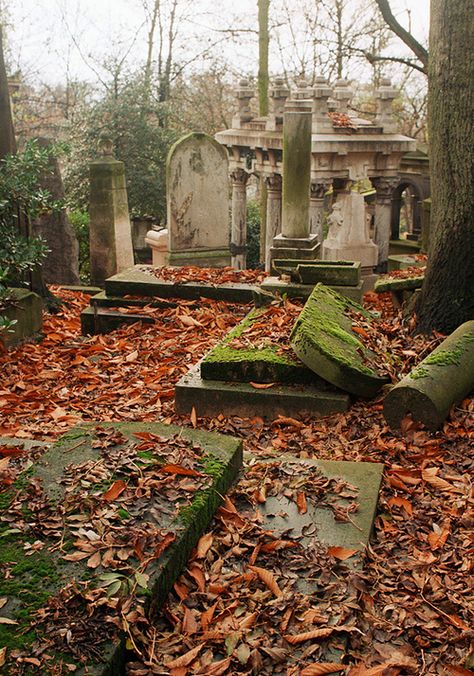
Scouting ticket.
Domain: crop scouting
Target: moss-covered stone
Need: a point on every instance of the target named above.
(385, 284)
(26, 309)
(323, 339)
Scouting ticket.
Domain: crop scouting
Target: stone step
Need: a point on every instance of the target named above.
(145, 491)
(323, 339)
(103, 320)
(137, 282)
(103, 300)
(213, 397)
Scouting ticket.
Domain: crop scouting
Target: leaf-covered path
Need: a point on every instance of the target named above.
(237, 608)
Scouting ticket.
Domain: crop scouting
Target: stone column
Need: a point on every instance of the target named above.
(316, 207)
(110, 233)
(244, 95)
(274, 184)
(238, 247)
(296, 169)
(384, 117)
(384, 187)
(278, 94)
(343, 95)
(322, 123)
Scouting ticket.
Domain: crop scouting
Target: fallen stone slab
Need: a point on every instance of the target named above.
(213, 397)
(445, 377)
(275, 285)
(331, 273)
(102, 300)
(254, 363)
(110, 513)
(395, 284)
(137, 281)
(323, 339)
(403, 262)
(104, 320)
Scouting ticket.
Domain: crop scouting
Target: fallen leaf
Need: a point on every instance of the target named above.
(301, 503)
(295, 639)
(341, 553)
(179, 470)
(204, 544)
(262, 386)
(116, 489)
(7, 620)
(321, 668)
(267, 578)
(186, 659)
(94, 560)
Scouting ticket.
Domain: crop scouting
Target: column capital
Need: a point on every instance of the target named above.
(274, 183)
(239, 176)
(384, 186)
(320, 187)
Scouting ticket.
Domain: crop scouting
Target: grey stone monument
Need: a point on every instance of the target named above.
(197, 196)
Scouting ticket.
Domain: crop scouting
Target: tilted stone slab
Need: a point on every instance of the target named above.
(213, 397)
(404, 261)
(332, 273)
(260, 365)
(393, 284)
(445, 377)
(35, 575)
(137, 282)
(323, 339)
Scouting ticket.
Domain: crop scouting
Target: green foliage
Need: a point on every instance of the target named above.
(80, 222)
(253, 234)
(137, 125)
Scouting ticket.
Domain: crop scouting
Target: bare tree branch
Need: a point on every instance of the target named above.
(372, 58)
(420, 52)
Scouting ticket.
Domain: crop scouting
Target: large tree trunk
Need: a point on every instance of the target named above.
(447, 298)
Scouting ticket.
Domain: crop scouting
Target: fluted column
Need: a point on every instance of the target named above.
(316, 207)
(274, 184)
(384, 187)
(238, 247)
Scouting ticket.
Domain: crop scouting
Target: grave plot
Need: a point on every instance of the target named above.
(327, 338)
(297, 278)
(254, 371)
(94, 534)
(147, 285)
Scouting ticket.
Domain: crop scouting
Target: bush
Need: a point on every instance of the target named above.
(80, 222)
(253, 234)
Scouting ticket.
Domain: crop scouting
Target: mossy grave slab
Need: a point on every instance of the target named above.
(213, 397)
(274, 285)
(323, 339)
(394, 284)
(261, 363)
(97, 531)
(138, 282)
(25, 308)
(332, 273)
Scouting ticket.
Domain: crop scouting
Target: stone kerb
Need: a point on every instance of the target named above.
(197, 195)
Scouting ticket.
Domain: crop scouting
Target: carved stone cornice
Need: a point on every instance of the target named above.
(320, 188)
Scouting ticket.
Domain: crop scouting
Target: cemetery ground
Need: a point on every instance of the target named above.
(404, 605)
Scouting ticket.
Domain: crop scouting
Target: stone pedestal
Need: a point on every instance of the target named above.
(348, 238)
(238, 246)
(110, 232)
(158, 241)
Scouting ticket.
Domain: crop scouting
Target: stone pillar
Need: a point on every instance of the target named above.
(296, 169)
(343, 95)
(316, 207)
(110, 232)
(384, 117)
(322, 123)
(238, 246)
(384, 187)
(279, 92)
(244, 94)
(274, 184)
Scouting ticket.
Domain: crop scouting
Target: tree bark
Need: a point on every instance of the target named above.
(447, 298)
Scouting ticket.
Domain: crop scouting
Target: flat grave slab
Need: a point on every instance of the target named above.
(323, 338)
(275, 285)
(404, 261)
(104, 319)
(397, 284)
(141, 281)
(338, 273)
(212, 397)
(101, 526)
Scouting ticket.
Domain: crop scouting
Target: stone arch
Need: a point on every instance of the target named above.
(413, 185)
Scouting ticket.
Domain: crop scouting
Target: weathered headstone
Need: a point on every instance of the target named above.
(110, 232)
(197, 195)
(61, 265)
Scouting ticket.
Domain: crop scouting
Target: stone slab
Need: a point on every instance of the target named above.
(88, 290)
(136, 282)
(103, 320)
(282, 242)
(102, 300)
(384, 284)
(404, 261)
(212, 397)
(403, 246)
(281, 514)
(33, 579)
(292, 290)
(337, 273)
(203, 259)
(323, 339)
(26, 309)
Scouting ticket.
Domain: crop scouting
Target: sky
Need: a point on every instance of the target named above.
(49, 38)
